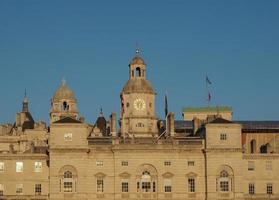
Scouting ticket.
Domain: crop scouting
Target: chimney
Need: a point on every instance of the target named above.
(170, 124)
(113, 124)
(196, 124)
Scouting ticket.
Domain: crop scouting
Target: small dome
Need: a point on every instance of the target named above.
(101, 123)
(138, 85)
(137, 61)
(64, 92)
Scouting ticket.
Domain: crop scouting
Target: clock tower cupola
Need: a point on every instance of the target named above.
(138, 116)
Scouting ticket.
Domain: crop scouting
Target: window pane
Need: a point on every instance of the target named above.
(269, 188)
(38, 166)
(191, 185)
(2, 166)
(224, 186)
(19, 166)
(38, 189)
(100, 185)
(251, 188)
(125, 187)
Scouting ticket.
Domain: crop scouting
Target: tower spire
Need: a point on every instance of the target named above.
(25, 102)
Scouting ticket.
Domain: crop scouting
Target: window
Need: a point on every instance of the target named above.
(100, 185)
(167, 183)
(223, 136)
(251, 188)
(138, 72)
(124, 163)
(99, 163)
(146, 186)
(1, 189)
(125, 186)
(68, 136)
(68, 181)
(191, 185)
(191, 163)
(251, 165)
(38, 166)
(167, 163)
(268, 165)
(224, 181)
(127, 105)
(19, 166)
(269, 188)
(19, 188)
(154, 187)
(146, 181)
(2, 166)
(38, 189)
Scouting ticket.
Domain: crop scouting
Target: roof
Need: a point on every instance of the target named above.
(138, 85)
(64, 92)
(68, 120)
(259, 124)
(220, 121)
(208, 109)
(137, 61)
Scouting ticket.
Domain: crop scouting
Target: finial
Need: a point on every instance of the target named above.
(63, 81)
(137, 49)
(101, 112)
(25, 99)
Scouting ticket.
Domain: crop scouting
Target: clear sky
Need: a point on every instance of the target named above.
(91, 43)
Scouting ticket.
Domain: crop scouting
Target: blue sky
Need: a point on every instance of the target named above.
(90, 43)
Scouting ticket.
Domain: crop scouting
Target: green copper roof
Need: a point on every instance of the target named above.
(208, 109)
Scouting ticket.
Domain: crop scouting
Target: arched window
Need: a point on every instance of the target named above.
(138, 72)
(146, 182)
(68, 182)
(253, 146)
(224, 181)
(65, 106)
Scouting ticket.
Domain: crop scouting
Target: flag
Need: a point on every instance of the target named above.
(166, 105)
(208, 81)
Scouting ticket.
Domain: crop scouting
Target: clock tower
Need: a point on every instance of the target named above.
(138, 116)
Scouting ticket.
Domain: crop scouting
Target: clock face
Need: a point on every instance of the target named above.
(139, 104)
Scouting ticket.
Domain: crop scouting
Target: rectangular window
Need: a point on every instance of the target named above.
(100, 185)
(38, 189)
(38, 166)
(269, 188)
(138, 186)
(124, 163)
(223, 136)
(268, 165)
(146, 186)
(19, 166)
(125, 186)
(251, 165)
(167, 163)
(68, 136)
(251, 188)
(19, 188)
(2, 166)
(1, 189)
(99, 163)
(191, 163)
(68, 186)
(224, 186)
(167, 183)
(154, 187)
(191, 185)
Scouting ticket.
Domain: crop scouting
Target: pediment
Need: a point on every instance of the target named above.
(168, 175)
(125, 175)
(191, 174)
(100, 175)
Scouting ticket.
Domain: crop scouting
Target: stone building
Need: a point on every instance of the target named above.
(207, 155)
